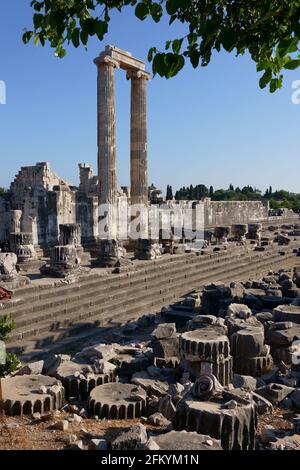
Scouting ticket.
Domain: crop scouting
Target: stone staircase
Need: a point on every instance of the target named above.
(49, 318)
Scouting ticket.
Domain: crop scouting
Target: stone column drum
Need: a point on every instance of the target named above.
(138, 139)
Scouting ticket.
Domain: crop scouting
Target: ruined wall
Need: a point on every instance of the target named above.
(234, 212)
(4, 219)
(88, 181)
(87, 216)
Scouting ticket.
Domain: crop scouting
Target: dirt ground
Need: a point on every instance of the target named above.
(31, 434)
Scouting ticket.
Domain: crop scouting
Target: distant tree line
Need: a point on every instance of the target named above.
(277, 199)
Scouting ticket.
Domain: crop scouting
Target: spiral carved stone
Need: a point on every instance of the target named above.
(206, 386)
(118, 401)
(235, 427)
(22, 395)
(204, 345)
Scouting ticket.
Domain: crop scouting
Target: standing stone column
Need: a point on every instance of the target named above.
(106, 129)
(15, 221)
(138, 139)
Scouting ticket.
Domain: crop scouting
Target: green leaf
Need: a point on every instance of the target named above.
(89, 26)
(158, 65)
(292, 64)
(172, 6)
(84, 37)
(150, 53)
(194, 58)
(142, 11)
(101, 28)
(76, 37)
(156, 12)
(27, 36)
(228, 39)
(173, 63)
(265, 79)
(176, 45)
(286, 46)
(38, 20)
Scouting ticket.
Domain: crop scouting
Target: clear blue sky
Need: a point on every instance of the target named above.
(212, 126)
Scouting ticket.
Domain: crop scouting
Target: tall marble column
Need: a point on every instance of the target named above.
(138, 138)
(106, 113)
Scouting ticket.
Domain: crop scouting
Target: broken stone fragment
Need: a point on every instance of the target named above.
(131, 440)
(262, 404)
(239, 311)
(62, 425)
(164, 331)
(32, 368)
(182, 440)
(159, 420)
(152, 386)
(247, 382)
(275, 393)
(287, 313)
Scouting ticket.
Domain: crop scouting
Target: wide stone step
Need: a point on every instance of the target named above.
(110, 309)
(80, 292)
(58, 340)
(60, 307)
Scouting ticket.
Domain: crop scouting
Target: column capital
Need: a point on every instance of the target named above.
(106, 60)
(136, 73)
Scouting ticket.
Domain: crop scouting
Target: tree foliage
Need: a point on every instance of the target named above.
(277, 199)
(268, 29)
(12, 362)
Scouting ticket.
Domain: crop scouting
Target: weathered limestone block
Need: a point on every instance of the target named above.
(235, 427)
(247, 343)
(118, 401)
(239, 232)
(275, 392)
(111, 254)
(70, 234)
(182, 440)
(27, 394)
(153, 386)
(166, 348)
(132, 439)
(64, 262)
(147, 249)
(237, 324)
(239, 311)
(212, 297)
(221, 234)
(290, 313)
(254, 231)
(164, 331)
(8, 271)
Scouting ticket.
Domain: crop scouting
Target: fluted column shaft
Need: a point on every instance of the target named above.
(138, 137)
(106, 130)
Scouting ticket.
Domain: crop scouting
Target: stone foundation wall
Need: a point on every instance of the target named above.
(234, 212)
